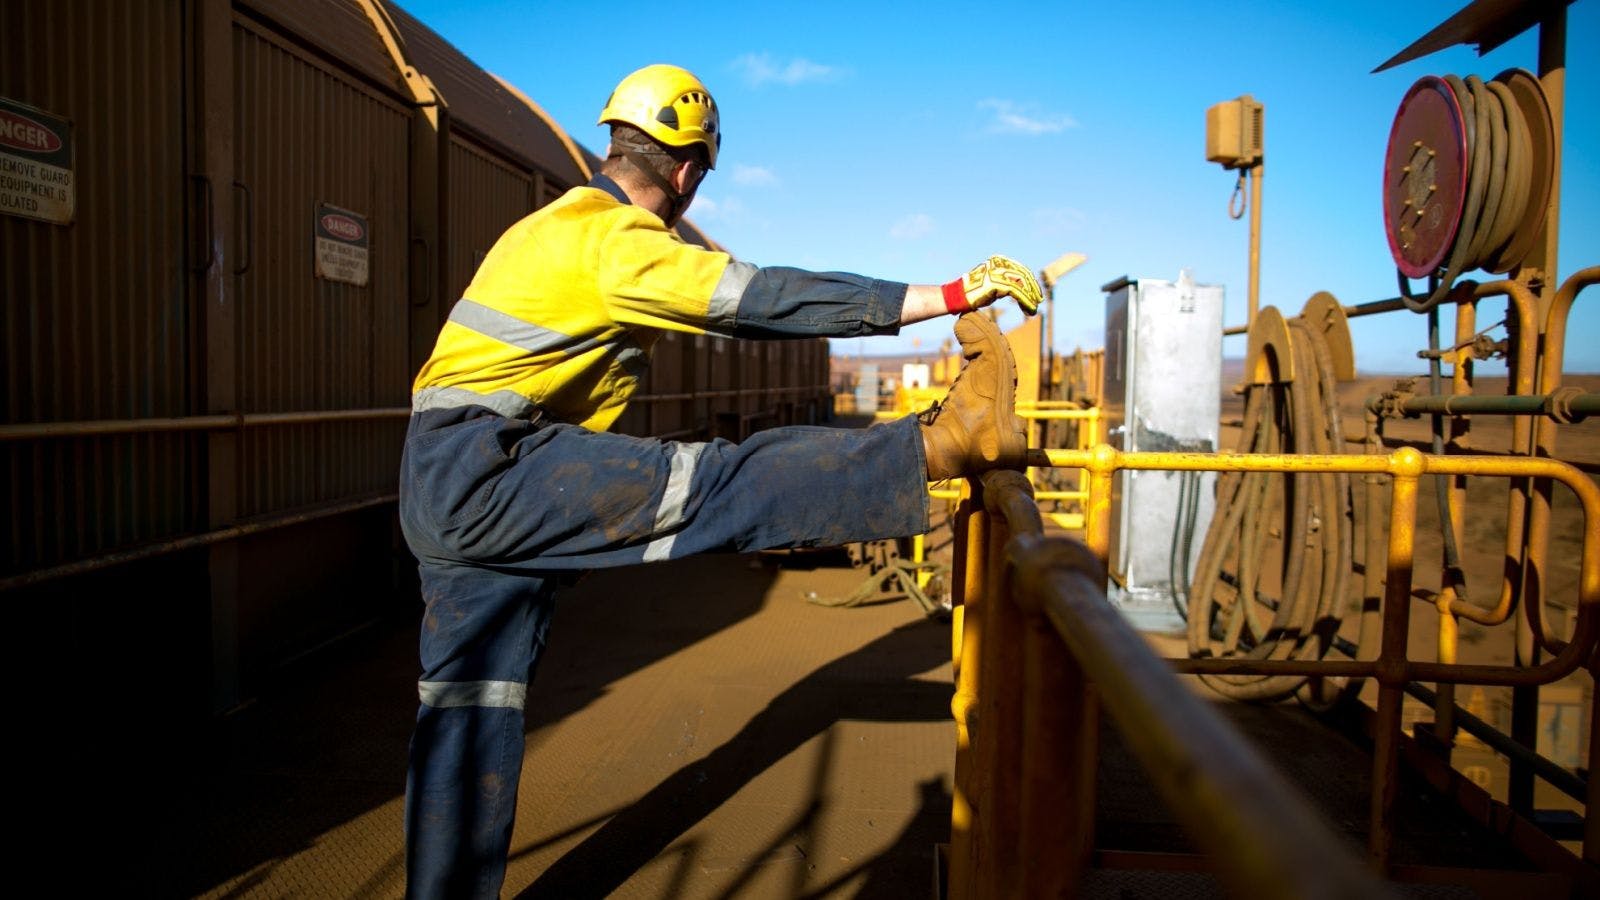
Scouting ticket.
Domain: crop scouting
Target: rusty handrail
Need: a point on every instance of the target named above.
(1392, 670)
(29, 431)
(1266, 840)
(32, 431)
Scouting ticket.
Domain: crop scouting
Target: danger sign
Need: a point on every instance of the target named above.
(35, 164)
(341, 245)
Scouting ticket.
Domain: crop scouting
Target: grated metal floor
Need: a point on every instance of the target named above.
(697, 729)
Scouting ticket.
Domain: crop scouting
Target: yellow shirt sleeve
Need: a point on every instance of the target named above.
(650, 278)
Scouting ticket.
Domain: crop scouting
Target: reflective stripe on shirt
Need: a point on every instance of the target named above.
(510, 330)
(730, 288)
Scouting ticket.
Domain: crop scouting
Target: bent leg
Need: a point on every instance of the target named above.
(561, 498)
(493, 508)
(800, 487)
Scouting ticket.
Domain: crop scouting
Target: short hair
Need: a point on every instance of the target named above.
(662, 158)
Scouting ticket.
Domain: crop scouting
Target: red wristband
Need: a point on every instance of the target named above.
(955, 298)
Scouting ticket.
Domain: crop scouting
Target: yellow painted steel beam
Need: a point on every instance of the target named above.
(1110, 458)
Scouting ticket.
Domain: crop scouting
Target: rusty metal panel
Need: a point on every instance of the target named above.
(678, 415)
(308, 135)
(96, 318)
(479, 104)
(339, 29)
(487, 195)
(717, 362)
(778, 374)
(751, 364)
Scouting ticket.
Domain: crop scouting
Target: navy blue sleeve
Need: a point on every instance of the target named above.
(780, 302)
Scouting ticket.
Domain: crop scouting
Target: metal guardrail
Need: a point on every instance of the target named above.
(1001, 778)
(1027, 729)
(69, 430)
(1390, 668)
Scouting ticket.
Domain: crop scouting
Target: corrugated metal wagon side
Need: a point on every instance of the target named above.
(253, 218)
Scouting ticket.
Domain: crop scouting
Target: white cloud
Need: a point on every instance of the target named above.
(753, 176)
(1015, 118)
(719, 212)
(704, 207)
(762, 68)
(1059, 220)
(912, 227)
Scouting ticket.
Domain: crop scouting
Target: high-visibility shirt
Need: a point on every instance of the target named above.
(563, 312)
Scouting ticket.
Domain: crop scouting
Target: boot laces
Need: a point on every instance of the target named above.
(927, 416)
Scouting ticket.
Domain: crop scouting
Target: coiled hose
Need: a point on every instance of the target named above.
(1271, 581)
(1500, 186)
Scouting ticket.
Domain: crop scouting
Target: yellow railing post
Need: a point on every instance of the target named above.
(1061, 744)
(971, 528)
(1407, 466)
(1097, 511)
(998, 744)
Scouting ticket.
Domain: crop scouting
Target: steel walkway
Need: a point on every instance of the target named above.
(698, 729)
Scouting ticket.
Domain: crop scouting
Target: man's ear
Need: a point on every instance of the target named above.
(687, 175)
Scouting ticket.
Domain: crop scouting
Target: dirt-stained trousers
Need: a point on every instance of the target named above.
(498, 510)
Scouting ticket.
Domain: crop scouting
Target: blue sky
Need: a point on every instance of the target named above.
(910, 140)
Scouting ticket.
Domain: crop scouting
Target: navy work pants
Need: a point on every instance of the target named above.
(498, 510)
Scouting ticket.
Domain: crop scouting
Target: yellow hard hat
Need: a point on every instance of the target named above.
(669, 104)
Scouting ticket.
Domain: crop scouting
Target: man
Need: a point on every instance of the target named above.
(510, 482)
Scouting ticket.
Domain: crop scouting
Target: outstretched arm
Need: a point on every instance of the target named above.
(988, 281)
(654, 279)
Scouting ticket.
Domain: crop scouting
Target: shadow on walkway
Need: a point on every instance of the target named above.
(327, 744)
(830, 694)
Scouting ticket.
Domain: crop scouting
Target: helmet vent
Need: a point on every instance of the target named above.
(668, 117)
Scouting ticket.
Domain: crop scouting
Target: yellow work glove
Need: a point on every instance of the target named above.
(995, 277)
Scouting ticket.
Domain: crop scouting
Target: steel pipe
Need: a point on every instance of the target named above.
(32, 431)
(1556, 406)
(1560, 778)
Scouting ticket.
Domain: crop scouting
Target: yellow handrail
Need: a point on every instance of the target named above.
(1027, 725)
(983, 578)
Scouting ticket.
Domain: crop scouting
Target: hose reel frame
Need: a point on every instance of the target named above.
(1467, 178)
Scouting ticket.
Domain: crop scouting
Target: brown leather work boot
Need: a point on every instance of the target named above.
(976, 427)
